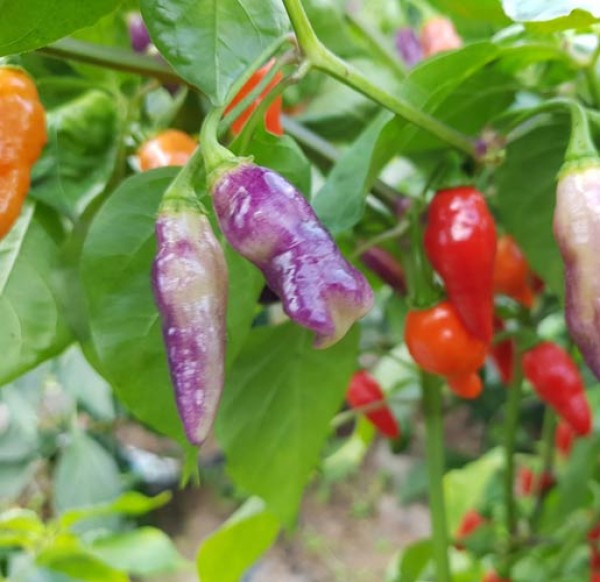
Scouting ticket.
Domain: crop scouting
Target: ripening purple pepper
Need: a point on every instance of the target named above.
(269, 222)
(577, 232)
(138, 33)
(189, 280)
(408, 46)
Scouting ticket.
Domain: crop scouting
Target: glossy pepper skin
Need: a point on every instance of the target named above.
(267, 221)
(169, 148)
(512, 276)
(22, 138)
(189, 280)
(460, 243)
(440, 344)
(364, 390)
(273, 114)
(470, 522)
(557, 381)
(386, 267)
(438, 35)
(577, 232)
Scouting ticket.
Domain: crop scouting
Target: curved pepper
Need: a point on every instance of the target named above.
(189, 280)
(460, 242)
(22, 138)
(577, 232)
(269, 222)
(440, 344)
(364, 390)
(512, 276)
(557, 381)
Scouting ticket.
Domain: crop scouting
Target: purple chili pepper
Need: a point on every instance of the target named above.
(189, 279)
(577, 232)
(270, 223)
(386, 267)
(138, 33)
(408, 46)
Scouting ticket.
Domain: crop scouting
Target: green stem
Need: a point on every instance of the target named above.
(213, 152)
(395, 232)
(112, 58)
(548, 430)
(594, 84)
(324, 60)
(376, 44)
(510, 427)
(432, 409)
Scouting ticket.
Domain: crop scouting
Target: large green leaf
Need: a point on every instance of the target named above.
(276, 409)
(526, 195)
(80, 156)
(33, 324)
(124, 321)
(211, 42)
(340, 203)
(230, 551)
(30, 24)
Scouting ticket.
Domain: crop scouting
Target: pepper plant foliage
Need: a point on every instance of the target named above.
(363, 131)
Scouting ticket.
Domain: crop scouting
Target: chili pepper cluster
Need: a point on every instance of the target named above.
(22, 137)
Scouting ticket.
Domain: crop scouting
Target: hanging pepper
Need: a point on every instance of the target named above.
(577, 232)
(528, 483)
(438, 35)
(169, 148)
(273, 114)
(460, 242)
(471, 521)
(557, 381)
(189, 280)
(512, 276)
(364, 390)
(408, 46)
(440, 344)
(386, 267)
(270, 223)
(22, 137)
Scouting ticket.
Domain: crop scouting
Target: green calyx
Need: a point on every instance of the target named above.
(225, 167)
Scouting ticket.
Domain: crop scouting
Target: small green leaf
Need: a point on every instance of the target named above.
(146, 551)
(78, 563)
(231, 550)
(85, 475)
(211, 42)
(412, 561)
(31, 24)
(526, 195)
(341, 201)
(80, 156)
(33, 323)
(276, 409)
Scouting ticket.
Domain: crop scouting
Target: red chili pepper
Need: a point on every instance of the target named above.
(491, 576)
(512, 276)
(557, 380)
(503, 354)
(470, 522)
(563, 438)
(273, 114)
(437, 35)
(593, 537)
(364, 390)
(460, 242)
(528, 483)
(440, 344)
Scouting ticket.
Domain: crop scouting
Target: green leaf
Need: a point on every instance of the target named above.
(230, 551)
(81, 152)
(33, 324)
(526, 185)
(130, 503)
(484, 11)
(340, 203)
(145, 551)
(85, 475)
(31, 24)
(124, 321)
(276, 409)
(210, 43)
(412, 561)
(80, 564)
(472, 478)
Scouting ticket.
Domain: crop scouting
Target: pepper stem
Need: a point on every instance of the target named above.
(434, 444)
(581, 145)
